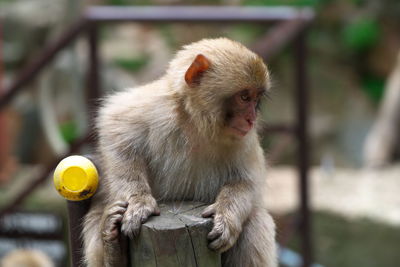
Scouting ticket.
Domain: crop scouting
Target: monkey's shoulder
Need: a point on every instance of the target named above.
(140, 105)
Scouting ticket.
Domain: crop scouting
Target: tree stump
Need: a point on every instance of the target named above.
(176, 238)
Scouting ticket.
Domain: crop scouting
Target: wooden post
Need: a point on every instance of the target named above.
(176, 238)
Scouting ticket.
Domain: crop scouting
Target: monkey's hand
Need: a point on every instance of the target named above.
(112, 218)
(226, 228)
(140, 207)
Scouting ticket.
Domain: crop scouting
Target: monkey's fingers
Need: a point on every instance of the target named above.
(121, 204)
(220, 246)
(209, 211)
(110, 232)
(111, 236)
(223, 242)
(115, 219)
(222, 236)
(214, 234)
(116, 210)
(130, 228)
(133, 220)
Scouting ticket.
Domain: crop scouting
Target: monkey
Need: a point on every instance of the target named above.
(26, 258)
(190, 135)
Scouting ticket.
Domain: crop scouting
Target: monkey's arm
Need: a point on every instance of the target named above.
(122, 132)
(127, 180)
(231, 209)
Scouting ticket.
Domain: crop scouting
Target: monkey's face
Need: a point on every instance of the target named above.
(242, 111)
(224, 82)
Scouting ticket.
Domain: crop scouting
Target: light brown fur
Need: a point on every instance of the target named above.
(26, 258)
(166, 141)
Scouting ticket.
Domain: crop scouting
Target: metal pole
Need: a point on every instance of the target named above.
(1, 57)
(93, 81)
(76, 212)
(303, 148)
(78, 209)
(193, 14)
(278, 37)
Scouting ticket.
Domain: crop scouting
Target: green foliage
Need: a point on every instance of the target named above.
(116, 2)
(246, 33)
(149, 2)
(167, 34)
(361, 34)
(69, 131)
(132, 64)
(283, 2)
(358, 2)
(374, 87)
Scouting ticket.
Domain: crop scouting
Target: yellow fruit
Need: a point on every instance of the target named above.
(76, 178)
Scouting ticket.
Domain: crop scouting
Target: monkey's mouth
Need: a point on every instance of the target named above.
(239, 132)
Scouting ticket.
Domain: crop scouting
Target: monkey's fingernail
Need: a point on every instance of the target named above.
(213, 235)
(207, 214)
(156, 212)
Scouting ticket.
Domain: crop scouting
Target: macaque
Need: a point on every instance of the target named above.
(26, 258)
(191, 135)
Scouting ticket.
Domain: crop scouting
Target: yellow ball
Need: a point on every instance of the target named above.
(76, 178)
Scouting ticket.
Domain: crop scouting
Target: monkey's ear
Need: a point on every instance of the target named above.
(196, 69)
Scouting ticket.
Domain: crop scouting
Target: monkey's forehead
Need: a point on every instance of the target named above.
(217, 50)
(229, 61)
(244, 71)
(221, 49)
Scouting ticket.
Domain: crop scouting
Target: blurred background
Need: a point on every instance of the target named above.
(353, 77)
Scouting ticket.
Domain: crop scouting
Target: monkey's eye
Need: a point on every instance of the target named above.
(245, 96)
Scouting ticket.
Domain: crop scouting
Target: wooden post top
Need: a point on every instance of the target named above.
(176, 238)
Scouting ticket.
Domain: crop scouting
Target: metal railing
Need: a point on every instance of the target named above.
(291, 27)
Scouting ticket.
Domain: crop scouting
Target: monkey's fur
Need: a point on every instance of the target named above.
(167, 141)
(26, 258)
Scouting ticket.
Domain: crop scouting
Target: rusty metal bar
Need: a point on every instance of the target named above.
(31, 70)
(303, 146)
(93, 75)
(275, 40)
(196, 14)
(1, 58)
